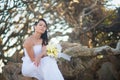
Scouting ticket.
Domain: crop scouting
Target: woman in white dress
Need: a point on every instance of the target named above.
(36, 63)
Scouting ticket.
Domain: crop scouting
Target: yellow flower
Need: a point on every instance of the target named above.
(52, 51)
(99, 56)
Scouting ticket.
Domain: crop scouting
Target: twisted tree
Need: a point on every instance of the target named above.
(87, 20)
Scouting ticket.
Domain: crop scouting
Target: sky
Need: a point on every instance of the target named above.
(115, 3)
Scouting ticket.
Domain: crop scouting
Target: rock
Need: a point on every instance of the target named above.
(12, 71)
(2, 77)
(106, 72)
(75, 50)
(85, 64)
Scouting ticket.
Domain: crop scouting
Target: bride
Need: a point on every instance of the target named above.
(36, 63)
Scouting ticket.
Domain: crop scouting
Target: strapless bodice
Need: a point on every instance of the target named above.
(36, 48)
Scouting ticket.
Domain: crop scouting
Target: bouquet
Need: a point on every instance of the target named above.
(54, 50)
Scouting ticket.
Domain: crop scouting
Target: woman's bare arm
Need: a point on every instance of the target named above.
(28, 45)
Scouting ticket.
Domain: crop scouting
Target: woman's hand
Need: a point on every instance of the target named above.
(37, 60)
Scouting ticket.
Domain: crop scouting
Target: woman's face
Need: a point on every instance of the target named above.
(40, 27)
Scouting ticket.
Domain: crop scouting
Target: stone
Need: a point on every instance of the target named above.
(85, 64)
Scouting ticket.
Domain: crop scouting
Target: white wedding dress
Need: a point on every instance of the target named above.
(47, 69)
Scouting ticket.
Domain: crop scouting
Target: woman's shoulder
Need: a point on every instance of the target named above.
(28, 41)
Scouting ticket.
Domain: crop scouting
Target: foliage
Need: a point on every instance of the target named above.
(17, 18)
(108, 31)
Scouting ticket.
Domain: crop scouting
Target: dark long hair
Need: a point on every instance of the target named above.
(44, 36)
